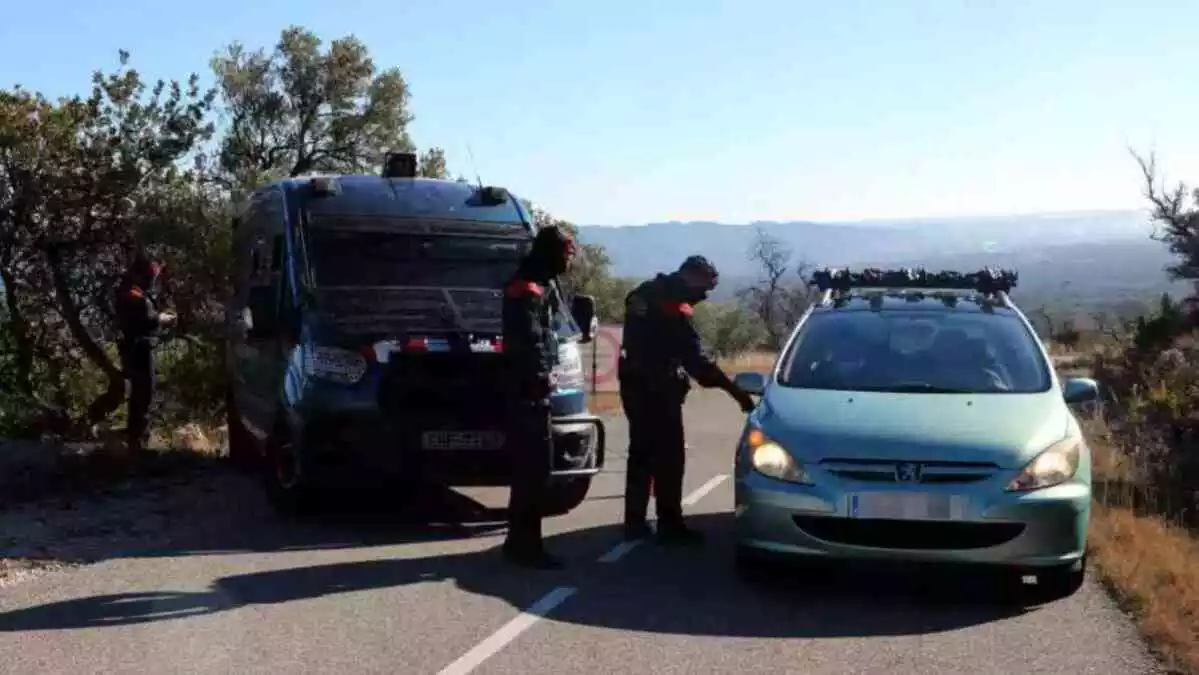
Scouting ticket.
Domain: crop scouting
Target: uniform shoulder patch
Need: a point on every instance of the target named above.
(520, 288)
(678, 309)
(135, 293)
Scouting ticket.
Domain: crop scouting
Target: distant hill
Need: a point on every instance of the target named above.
(1085, 260)
(641, 250)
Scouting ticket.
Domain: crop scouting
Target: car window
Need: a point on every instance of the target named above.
(916, 351)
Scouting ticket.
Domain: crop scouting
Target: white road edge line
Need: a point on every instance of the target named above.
(508, 632)
(622, 549)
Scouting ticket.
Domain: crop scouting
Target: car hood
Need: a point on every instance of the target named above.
(1005, 429)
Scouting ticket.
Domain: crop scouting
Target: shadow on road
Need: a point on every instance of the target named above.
(651, 590)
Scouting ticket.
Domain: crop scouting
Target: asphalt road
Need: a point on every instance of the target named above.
(355, 593)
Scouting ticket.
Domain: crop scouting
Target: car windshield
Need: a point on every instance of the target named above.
(356, 258)
(917, 352)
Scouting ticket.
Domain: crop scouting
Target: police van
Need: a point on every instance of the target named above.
(364, 338)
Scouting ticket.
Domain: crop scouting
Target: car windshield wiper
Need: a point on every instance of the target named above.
(922, 388)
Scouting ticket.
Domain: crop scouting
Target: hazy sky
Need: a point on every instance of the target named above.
(621, 112)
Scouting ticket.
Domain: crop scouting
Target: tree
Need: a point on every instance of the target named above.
(778, 299)
(297, 110)
(82, 184)
(1175, 211)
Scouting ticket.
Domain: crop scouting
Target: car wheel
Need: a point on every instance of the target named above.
(288, 485)
(241, 444)
(1061, 582)
(563, 496)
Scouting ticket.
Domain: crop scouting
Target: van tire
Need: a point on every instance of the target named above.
(241, 443)
(288, 486)
(565, 495)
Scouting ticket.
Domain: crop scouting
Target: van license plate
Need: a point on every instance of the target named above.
(907, 506)
(462, 440)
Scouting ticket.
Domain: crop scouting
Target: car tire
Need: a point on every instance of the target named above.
(241, 443)
(288, 486)
(1061, 582)
(565, 495)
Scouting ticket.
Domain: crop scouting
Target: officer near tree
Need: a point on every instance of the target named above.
(531, 352)
(139, 322)
(660, 350)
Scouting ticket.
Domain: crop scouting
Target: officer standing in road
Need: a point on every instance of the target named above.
(660, 349)
(531, 350)
(139, 322)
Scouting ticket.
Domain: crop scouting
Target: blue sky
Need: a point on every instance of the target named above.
(625, 112)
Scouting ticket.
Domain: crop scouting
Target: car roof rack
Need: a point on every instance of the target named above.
(987, 281)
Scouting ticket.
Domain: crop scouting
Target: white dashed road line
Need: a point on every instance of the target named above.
(622, 549)
(500, 639)
(526, 619)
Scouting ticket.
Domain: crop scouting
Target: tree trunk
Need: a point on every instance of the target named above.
(110, 400)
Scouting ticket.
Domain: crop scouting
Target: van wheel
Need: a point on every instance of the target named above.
(288, 485)
(563, 496)
(1061, 582)
(241, 444)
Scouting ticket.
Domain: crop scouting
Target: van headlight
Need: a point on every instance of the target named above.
(334, 364)
(569, 371)
(770, 459)
(1053, 466)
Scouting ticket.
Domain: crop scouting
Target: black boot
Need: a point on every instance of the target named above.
(637, 531)
(679, 535)
(533, 557)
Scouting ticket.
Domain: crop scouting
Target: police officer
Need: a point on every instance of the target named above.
(530, 348)
(139, 322)
(660, 349)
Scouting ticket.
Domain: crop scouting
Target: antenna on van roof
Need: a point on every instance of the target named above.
(470, 153)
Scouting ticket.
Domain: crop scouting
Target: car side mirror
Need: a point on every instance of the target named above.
(582, 308)
(751, 383)
(1080, 390)
(263, 315)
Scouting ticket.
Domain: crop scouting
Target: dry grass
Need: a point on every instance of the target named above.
(1144, 560)
(753, 361)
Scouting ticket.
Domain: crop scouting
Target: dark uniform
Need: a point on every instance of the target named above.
(530, 347)
(138, 320)
(660, 349)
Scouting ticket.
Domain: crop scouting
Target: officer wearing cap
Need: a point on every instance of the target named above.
(660, 350)
(139, 322)
(531, 351)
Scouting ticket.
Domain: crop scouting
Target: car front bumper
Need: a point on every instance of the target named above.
(1037, 529)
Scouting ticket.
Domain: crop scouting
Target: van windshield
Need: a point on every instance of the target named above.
(359, 259)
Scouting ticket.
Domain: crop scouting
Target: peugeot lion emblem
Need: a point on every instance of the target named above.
(907, 472)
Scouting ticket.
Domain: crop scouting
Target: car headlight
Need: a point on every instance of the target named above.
(569, 370)
(334, 364)
(770, 459)
(1053, 466)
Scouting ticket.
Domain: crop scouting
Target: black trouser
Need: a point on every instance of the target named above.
(529, 442)
(656, 453)
(138, 364)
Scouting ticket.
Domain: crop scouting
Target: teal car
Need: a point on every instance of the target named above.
(917, 424)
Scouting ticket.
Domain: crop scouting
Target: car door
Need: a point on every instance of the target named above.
(260, 354)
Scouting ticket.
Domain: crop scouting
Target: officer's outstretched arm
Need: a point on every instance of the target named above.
(690, 349)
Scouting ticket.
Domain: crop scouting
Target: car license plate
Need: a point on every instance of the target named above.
(462, 440)
(907, 506)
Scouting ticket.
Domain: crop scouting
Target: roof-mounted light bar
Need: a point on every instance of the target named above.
(987, 281)
(399, 165)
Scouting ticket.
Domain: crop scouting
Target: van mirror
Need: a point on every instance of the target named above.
(582, 307)
(264, 317)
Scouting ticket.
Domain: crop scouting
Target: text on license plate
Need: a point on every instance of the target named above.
(908, 506)
(462, 440)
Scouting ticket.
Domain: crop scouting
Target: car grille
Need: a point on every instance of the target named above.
(908, 534)
(432, 386)
(930, 473)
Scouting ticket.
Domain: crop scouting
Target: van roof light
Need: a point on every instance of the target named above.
(399, 165)
(324, 186)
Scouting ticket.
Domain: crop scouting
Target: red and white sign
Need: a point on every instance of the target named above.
(602, 354)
